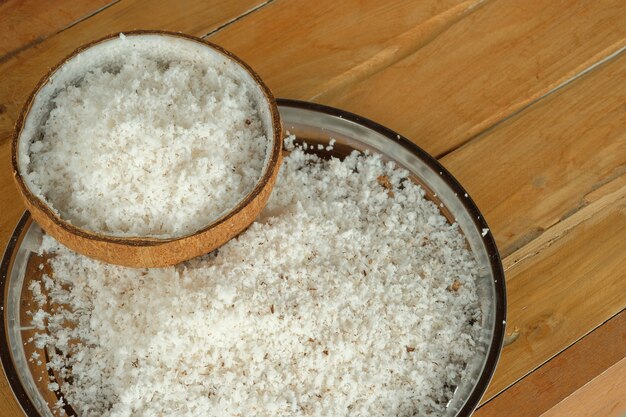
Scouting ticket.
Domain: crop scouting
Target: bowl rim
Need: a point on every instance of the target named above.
(495, 261)
(272, 165)
(500, 301)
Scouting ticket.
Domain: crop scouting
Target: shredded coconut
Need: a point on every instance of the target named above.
(350, 296)
(148, 148)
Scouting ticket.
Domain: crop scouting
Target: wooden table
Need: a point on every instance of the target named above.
(523, 101)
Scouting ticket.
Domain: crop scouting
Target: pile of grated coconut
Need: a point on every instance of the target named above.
(149, 148)
(350, 296)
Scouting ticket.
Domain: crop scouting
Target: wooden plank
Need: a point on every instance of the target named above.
(479, 71)
(329, 49)
(297, 52)
(563, 375)
(603, 198)
(23, 71)
(604, 396)
(9, 408)
(570, 287)
(534, 170)
(28, 22)
(331, 34)
(558, 161)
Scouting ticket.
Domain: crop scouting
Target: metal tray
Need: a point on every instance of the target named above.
(318, 125)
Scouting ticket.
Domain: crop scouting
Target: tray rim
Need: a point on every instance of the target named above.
(500, 302)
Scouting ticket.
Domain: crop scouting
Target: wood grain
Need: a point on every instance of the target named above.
(484, 68)
(23, 71)
(297, 56)
(534, 170)
(604, 198)
(563, 375)
(603, 396)
(559, 295)
(24, 23)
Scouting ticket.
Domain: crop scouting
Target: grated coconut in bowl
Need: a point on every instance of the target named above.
(152, 141)
(350, 296)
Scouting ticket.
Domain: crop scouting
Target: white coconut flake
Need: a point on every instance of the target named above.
(350, 296)
(147, 147)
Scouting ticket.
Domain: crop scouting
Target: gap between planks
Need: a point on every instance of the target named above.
(236, 19)
(24, 70)
(493, 62)
(38, 40)
(603, 57)
(609, 194)
(95, 12)
(563, 375)
(602, 396)
(545, 160)
(10, 54)
(597, 202)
